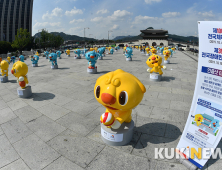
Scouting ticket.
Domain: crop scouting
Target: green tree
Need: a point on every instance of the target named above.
(22, 39)
(58, 40)
(5, 47)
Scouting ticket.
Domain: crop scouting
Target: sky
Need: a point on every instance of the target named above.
(122, 17)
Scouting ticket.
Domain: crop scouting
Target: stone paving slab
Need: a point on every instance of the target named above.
(58, 126)
(7, 152)
(16, 165)
(15, 130)
(36, 153)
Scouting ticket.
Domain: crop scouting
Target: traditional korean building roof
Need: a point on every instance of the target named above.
(154, 34)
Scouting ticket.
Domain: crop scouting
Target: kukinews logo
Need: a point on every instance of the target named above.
(187, 153)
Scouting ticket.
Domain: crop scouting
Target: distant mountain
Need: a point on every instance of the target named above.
(121, 37)
(67, 36)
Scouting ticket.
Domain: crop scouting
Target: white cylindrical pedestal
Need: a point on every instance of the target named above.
(54, 67)
(129, 59)
(34, 65)
(155, 77)
(117, 137)
(166, 61)
(100, 58)
(4, 79)
(92, 71)
(24, 93)
(59, 57)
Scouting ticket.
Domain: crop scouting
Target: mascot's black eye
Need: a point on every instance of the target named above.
(157, 57)
(123, 98)
(97, 91)
(149, 59)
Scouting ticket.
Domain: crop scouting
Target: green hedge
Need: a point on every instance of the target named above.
(5, 47)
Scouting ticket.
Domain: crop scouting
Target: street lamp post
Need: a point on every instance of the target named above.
(84, 37)
(89, 37)
(108, 37)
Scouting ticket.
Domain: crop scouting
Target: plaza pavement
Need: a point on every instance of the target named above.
(58, 128)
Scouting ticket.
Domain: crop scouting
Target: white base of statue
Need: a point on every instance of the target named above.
(117, 137)
(129, 59)
(155, 77)
(147, 54)
(54, 67)
(100, 58)
(92, 71)
(59, 57)
(166, 61)
(4, 79)
(24, 93)
(34, 65)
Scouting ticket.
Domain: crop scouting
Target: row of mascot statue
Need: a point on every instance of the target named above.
(118, 91)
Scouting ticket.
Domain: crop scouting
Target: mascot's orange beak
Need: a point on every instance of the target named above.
(153, 58)
(91, 56)
(108, 98)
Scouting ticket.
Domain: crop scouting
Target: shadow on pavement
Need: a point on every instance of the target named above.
(167, 78)
(103, 72)
(42, 96)
(64, 68)
(212, 161)
(160, 132)
(12, 81)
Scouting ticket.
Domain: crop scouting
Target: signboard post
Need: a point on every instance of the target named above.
(203, 128)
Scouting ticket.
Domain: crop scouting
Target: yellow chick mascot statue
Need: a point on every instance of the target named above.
(119, 92)
(4, 68)
(19, 70)
(154, 62)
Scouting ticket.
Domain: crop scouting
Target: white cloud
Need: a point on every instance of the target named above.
(115, 27)
(141, 19)
(206, 14)
(119, 15)
(170, 14)
(102, 11)
(74, 31)
(73, 12)
(57, 12)
(151, 1)
(46, 24)
(97, 19)
(77, 21)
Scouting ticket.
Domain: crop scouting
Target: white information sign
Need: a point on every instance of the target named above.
(204, 124)
(20, 92)
(111, 136)
(153, 76)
